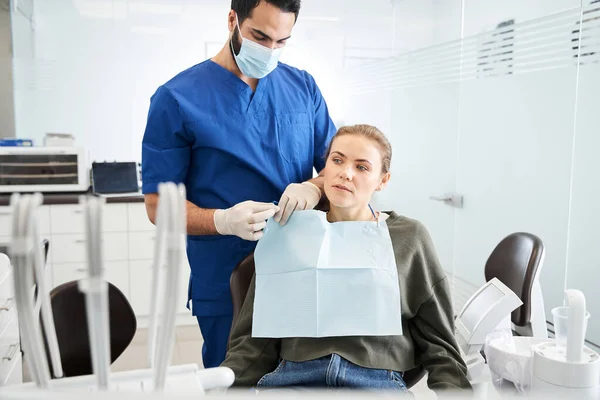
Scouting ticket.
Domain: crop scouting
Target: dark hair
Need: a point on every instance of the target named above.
(243, 8)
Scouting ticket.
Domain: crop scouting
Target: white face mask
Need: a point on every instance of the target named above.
(254, 60)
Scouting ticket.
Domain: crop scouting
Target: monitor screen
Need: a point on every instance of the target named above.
(117, 177)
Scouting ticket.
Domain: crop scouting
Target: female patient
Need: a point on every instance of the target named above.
(358, 164)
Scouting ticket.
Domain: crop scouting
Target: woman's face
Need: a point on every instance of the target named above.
(353, 171)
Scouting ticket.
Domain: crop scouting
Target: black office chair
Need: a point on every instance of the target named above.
(516, 262)
(240, 283)
(70, 321)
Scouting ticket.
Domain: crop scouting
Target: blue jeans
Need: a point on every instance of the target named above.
(331, 372)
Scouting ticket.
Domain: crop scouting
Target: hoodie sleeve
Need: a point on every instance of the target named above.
(432, 327)
(250, 358)
(432, 330)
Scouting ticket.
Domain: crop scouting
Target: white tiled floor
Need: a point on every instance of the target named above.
(188, 349)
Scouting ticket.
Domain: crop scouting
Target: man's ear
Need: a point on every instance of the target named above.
(231, 21)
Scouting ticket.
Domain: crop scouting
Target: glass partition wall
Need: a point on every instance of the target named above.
(492, 104)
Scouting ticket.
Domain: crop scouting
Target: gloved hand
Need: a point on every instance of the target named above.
(297, 196)
(245, 220)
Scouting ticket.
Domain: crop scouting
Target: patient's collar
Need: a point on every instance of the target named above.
(382, 216)
(374, 216)
(379, 216)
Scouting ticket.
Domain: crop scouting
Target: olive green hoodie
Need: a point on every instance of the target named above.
(427, 323)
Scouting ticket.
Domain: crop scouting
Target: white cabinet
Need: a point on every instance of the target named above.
(11, 368)
(115, 272)
(138, 218)
(10, 347)
(71, 248)
(140, 276)
(8, 309)
(141, 245)
(128, 241)
(10, 351)
(142, 242)
(68, 218)
(6, 220)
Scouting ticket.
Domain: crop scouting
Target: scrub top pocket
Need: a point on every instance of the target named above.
(295, 137)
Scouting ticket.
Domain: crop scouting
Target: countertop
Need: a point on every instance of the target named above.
(73, 198)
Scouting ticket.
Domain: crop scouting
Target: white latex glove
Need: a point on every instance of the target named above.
(245, 220)
(297, 196)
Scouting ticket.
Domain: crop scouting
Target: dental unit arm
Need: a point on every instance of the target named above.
(27, 258)
(171, 228)
(95, 289)
(171, 233)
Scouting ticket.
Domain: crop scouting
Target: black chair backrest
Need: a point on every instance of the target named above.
(70, 320)
(515, 262)
(240, 283)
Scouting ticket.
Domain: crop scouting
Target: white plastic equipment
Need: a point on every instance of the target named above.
(483, 313)
(574, 371)
(26, 255)
(509, 358)
(160, 378)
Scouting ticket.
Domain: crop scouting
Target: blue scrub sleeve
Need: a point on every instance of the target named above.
(324, 127)
(165, 147)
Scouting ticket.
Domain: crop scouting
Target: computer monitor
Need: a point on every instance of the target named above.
(115, 177)
(483, 313)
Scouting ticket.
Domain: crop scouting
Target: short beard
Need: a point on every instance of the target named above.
(235, 43)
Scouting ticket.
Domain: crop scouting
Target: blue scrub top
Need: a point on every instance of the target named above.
(207, 129)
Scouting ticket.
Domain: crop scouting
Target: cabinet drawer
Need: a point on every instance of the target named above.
(6, 220)
(140, 273)
(69, 218)
(10, 355)
(5, 241)
(116, 272)
(138, 219)
(11, 371)
(140, 276)
(8, 306)
(72, 248)
(141, 245)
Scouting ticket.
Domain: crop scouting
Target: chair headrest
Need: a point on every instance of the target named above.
(515, 262)
(70, 320)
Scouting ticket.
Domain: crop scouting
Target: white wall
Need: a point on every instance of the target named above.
(504, 141)
(583, 267)
(7, 117)
(97, 63)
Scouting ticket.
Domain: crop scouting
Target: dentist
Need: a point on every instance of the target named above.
(240, 130)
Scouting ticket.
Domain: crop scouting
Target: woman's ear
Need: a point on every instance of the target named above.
(384, 181)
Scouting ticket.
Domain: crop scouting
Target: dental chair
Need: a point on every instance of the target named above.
(70, 321)
(239, 284)
(517, 262)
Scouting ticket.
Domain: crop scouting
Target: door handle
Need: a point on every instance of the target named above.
(82, 269)
(452, 199)
(12, 350)
(441, 198)
(9, 304)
